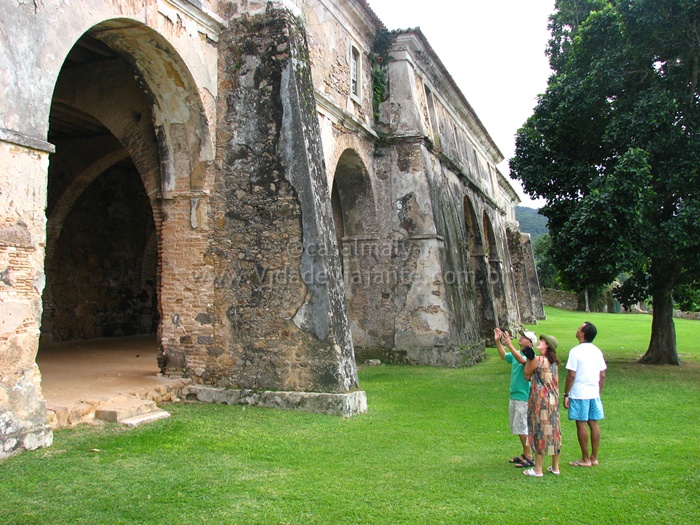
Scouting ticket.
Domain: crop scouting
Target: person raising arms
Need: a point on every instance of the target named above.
(544, 427)
(519, 389)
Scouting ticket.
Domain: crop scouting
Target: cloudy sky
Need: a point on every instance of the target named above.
(494, 49)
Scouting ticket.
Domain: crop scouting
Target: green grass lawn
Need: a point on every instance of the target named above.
(433, 449)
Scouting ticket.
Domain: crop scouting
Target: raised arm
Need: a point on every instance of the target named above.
(519, 357)
(530, 366)
(498, 335)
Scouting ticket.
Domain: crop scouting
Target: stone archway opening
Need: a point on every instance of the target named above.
(355, 218)
(101, 275)
(479, 248)
(102, 260)
(495, 269)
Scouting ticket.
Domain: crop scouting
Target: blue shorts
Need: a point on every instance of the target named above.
(586, 409)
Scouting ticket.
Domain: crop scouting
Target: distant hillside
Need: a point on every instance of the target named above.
(531, 221)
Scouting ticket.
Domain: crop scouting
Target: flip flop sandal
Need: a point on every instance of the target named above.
(531, 472)
(525, 463)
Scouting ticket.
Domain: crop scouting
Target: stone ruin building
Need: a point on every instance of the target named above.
(278, 190)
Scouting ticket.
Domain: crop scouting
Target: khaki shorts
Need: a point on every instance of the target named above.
(517, 411)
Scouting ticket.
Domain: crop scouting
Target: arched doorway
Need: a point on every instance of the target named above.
(495, 268)
(479, 270)
(355, 217)
(129, 133)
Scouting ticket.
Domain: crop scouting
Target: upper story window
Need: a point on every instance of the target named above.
(355, 72)
(432, 117)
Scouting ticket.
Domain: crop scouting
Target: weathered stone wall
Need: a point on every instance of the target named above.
(280, 315)
(23, 423)
(361, 192)
(471, 288)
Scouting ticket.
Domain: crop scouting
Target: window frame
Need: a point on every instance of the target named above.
(355, 73)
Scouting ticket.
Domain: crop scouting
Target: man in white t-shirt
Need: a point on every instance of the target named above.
(584, 383)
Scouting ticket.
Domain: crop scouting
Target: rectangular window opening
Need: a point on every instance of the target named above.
(355, 72)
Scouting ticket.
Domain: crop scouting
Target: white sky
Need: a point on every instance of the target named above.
(494, 49)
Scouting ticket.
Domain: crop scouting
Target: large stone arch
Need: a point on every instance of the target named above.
(120, 107)
(478, 243)
(131, 80)
(496, 277)
(355, 216)
(184, 139)
(161, 78)
(124, 77)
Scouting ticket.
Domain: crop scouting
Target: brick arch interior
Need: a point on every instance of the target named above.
(184, 139)
(103, 206)
(125, 118)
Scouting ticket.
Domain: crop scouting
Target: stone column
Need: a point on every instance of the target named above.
(524, 274)
(281, 333)
(23, 168)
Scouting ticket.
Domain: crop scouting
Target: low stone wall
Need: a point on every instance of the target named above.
(560, 299)
(450, 357)
(569, 301)
(691, 316)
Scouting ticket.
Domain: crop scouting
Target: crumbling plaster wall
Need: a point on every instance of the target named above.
(413, 293)
(23, 423)
(426, 109)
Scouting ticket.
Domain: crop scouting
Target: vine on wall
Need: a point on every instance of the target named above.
(379, 58)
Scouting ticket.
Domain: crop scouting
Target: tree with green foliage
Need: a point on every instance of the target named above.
(613, 147)
(547, 272)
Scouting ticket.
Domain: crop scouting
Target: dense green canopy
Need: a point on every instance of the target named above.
(614, 148)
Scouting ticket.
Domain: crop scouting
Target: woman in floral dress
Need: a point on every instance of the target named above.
(544, 428)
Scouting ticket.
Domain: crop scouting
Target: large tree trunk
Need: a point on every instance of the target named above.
(662, 346)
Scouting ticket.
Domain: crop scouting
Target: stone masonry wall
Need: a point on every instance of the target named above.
(23, 423)
(280, 316)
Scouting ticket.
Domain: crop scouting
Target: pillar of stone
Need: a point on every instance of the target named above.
(23, 165)
(524, 274)
(533, 280)
(280, 323)
(425, 328)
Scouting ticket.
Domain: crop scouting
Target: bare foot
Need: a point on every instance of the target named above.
(579, 463)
